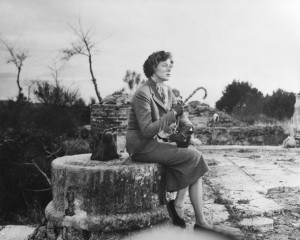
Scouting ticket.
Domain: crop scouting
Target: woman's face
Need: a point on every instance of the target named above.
(163, 70)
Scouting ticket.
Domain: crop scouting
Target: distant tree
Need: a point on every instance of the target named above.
(236, 95)
(17, 57)
(251, 107)
(280, 105)
(84, 45)
(133, 80)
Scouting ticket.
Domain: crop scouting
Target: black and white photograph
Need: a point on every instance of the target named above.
(149, 119)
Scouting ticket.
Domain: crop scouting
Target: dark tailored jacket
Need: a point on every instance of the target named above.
(147, 117)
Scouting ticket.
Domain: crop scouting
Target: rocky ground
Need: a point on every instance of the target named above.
(259, 187)
(251, 192)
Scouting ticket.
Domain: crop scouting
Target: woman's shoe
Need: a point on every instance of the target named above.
(178, 221)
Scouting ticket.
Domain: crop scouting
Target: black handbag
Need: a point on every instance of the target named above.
(106, 146)
(183, 133)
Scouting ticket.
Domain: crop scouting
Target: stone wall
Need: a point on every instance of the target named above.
(201, 115)
(113, 114)
(225, 132)
(107, 116)
(254, 135)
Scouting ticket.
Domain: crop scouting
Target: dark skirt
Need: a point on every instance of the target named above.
(183, 166)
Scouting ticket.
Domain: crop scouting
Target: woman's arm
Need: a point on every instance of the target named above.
(142, 109)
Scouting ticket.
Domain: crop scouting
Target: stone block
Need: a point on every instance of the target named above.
(216, 213)
(105, 196)
(16, 232)
(261, 224)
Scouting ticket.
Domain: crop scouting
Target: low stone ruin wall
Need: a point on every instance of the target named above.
(254, 135)
(201, 115)
(224, 133)
(107, 116)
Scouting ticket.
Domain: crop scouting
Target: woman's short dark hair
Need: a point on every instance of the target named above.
(153, 60)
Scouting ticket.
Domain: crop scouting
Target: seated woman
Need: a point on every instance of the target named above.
(154, 109)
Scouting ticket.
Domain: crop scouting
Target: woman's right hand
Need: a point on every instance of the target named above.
(178, 108)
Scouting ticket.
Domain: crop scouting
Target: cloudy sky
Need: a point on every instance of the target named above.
(212, 41)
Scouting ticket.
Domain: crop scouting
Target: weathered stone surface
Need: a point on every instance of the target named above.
(258, 207)
(104, 187)
(15, 232)
(246, 174)
(108, 222)
(104, 116)
(286, 224)
(229, 231)
(216, 213)
(202, 115)
(290, 142)
(104, 196)
(261, 224)
(271, 176)
(254, 135)
(175, 233)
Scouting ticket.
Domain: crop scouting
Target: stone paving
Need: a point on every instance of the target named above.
(252, 192)
(15, 232)
(260, 188)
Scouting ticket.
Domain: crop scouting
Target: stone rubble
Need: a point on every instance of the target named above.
(261, 224)
(250, 192)
(15, 232)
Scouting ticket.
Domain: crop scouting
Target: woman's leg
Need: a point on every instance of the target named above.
(196, 196)
(179, 201)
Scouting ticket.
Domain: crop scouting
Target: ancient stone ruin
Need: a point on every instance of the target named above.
(226, 132)
(92, 198)
(295, 121)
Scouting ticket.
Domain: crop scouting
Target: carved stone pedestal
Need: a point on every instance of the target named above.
(91, 198)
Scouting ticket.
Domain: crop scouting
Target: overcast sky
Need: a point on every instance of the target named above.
(212, 42)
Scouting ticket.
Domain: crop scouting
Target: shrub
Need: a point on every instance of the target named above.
(25, 163)
(59, 120)
(280, 105)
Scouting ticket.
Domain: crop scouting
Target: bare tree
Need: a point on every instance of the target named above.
(17, 57)
(56, 68)
(84, 45)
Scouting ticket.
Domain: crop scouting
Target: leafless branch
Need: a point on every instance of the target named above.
(56, 68)
(51, 154)
(32, 164)
(41, 171)
(35, 190)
